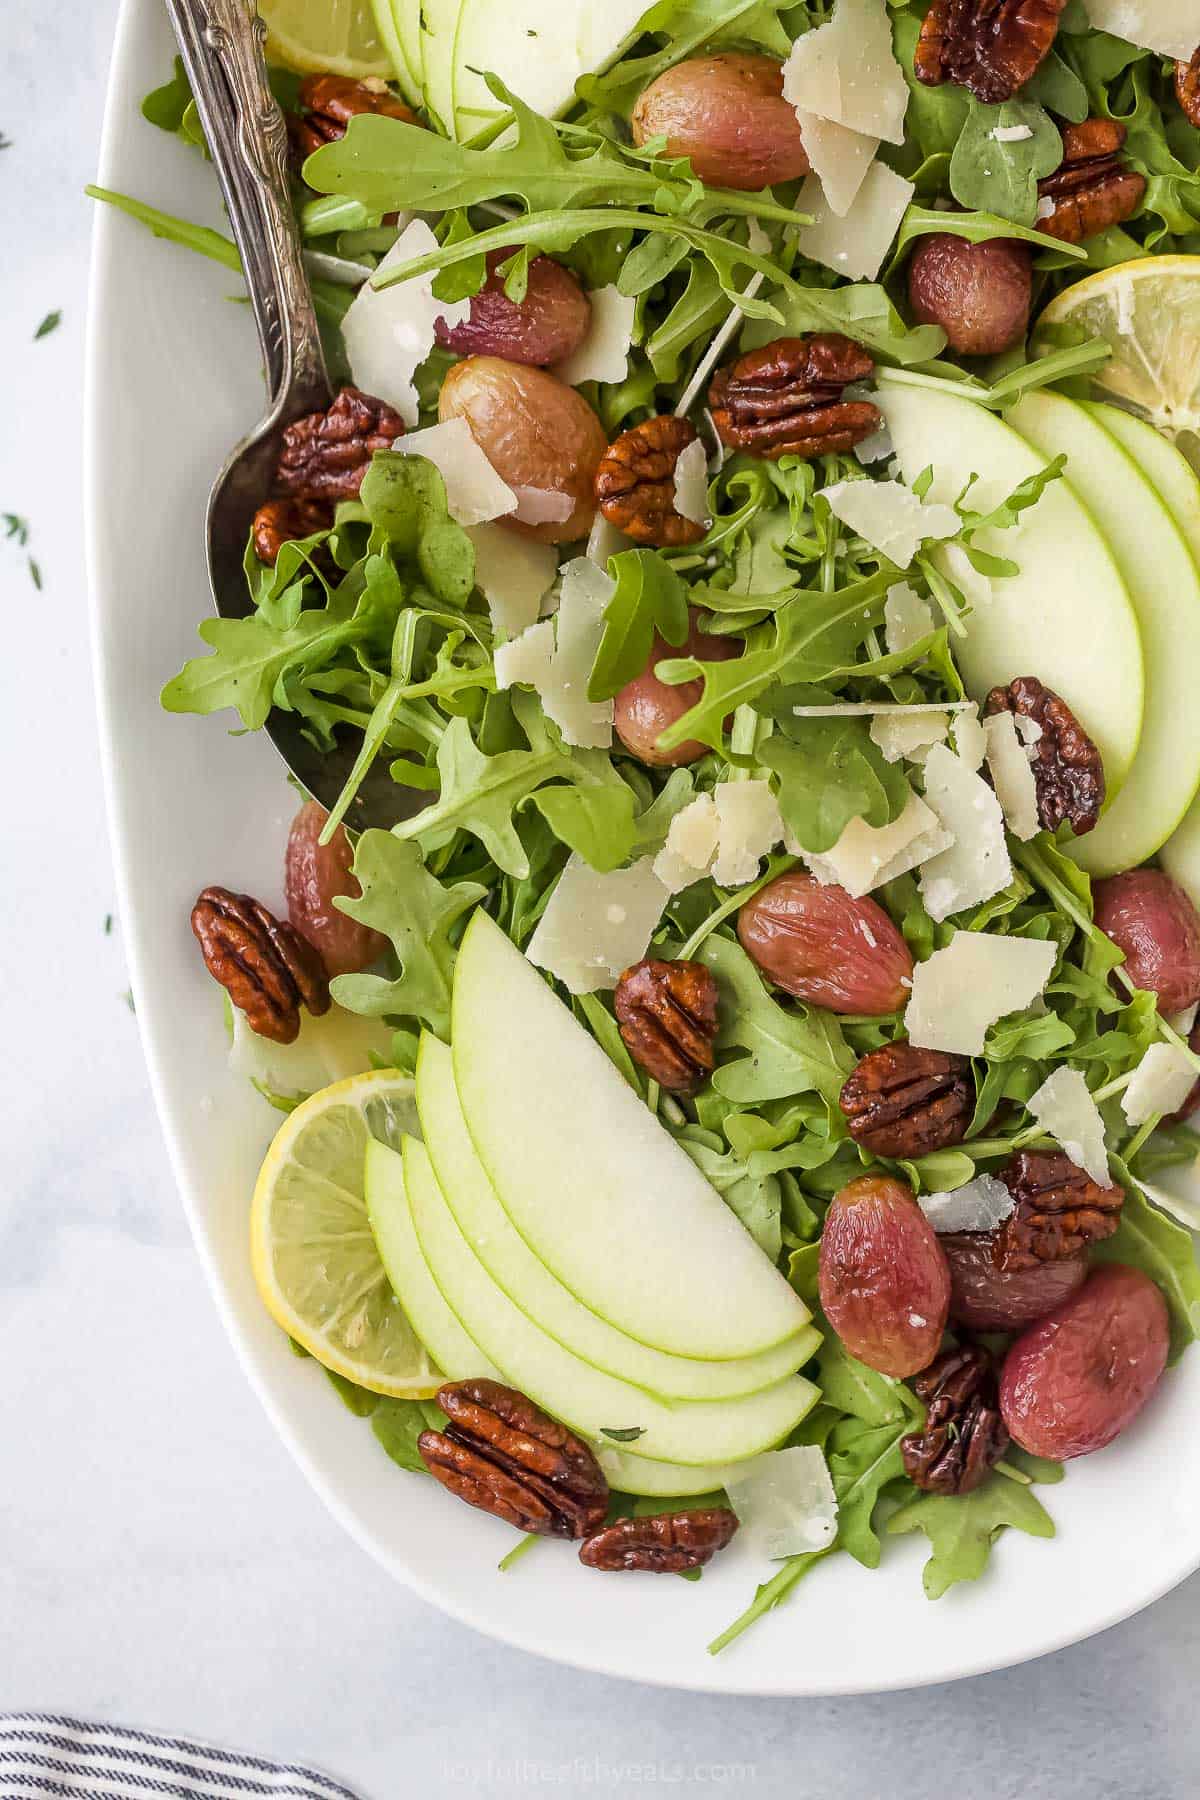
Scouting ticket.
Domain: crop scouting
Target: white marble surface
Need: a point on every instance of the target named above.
(161, 1561)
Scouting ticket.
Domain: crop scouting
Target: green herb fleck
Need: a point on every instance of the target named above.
(16, 527)
(35, 574)
(623, 1434)
(50, 323)
(108, 924)
(127, 996)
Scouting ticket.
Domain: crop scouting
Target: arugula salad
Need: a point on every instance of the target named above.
(735, 1007)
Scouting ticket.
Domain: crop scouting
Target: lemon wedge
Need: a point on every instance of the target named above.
(329, 37)
(1149, 312)
(312, 1249)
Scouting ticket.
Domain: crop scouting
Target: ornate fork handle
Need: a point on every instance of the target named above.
(221, 43)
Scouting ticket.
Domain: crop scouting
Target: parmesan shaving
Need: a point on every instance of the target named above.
(1010, 134)
(474, 491)
(977, 864)
(839, 158)
(1165, 26)
(1012, 776)
(749, 826)
(691, 484)
(981, 1205)
(1161, 1083)
(604, 352)
(691, 845)
(389, 332)
(1064, 1107)
(969, 739)
(555, 657)
(543, 506)
(513, 574)
(605, 540)
(911, 737)
(959, 992)
(785, 1502)
(867, 856)
(596, 926)
(890, 517)
(856, 244)
(906, 618)
(846, 71)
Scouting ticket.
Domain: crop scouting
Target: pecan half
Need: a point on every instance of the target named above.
(785, 399)
(901, 1101)
(329, 102)
(279, 522)
(667, 1014)
(501, 1453)
(268, 970)
(663, 1544)
(1093, 187)
(326, 454)
(1068, 771)
(1059, 1210)
(635, 483)
(964, 1433)
(1187, 88)
(992, 47)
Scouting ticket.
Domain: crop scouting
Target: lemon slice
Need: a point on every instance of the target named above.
(334, 37)
(311, 1246)
(1149, 312)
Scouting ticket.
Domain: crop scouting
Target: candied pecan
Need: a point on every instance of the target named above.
(268, 970)
(992, 47)
(1059, 1210)
(635, 483)
(1187, 88)
(329, 102)
(664, 1543)
(501, 1453)
(1067, 769)
(278, 522)
(963, 1434)
(326, 454)
(667, 1013)
(1093, 187)
(785, 399)
(901, 1101)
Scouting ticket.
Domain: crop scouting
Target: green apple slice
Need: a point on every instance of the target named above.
(387, 24)
(540, 1295)
(456, 1354)
(1161, 576)
(586, 1399)
(599, 1190)
(1169, 471)
(1066, 617)
(439, 21)
(628, 1474)
(406, 15)
(538, 48)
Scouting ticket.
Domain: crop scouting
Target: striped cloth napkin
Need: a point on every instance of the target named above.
(45, 1757)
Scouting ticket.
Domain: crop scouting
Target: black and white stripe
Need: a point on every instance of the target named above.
(45, 1757)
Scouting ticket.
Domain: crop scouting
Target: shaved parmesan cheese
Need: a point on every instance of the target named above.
(389, 332)
(596, 926)
(856, 244)
(1028, 730)
(875, 448)
(890, 516)
(1161, 1083)
(1011, 134)
(867, 856)
(865, 709)
(962, 990)
(839, 158)
(1064, 1107)
(847, 71)
(556, 657)
(691, 484)
(474, 491)
(906, 618)
(691, 845)
(979, 1206)
(604, 352)
(543, 506)
(513, 574)
(969, 739)
(605, 540)
(1012, 776)
(749, 827)
(785, 1501)
(1165, 26)
(977, 864)
(1182, 1022)
(909, 734)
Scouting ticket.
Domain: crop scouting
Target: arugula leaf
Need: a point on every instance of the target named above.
(861, 1392)
(649, 597)
(791, 1052)
(595, 822)
(398, 1424)
(401, 899)
(1148, 1240)
(962, 1528)
(829, 773)
(863, 1459)
(249, 658)
(990, 173)
(754, 1197)
(685, 25)
(862, 310)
